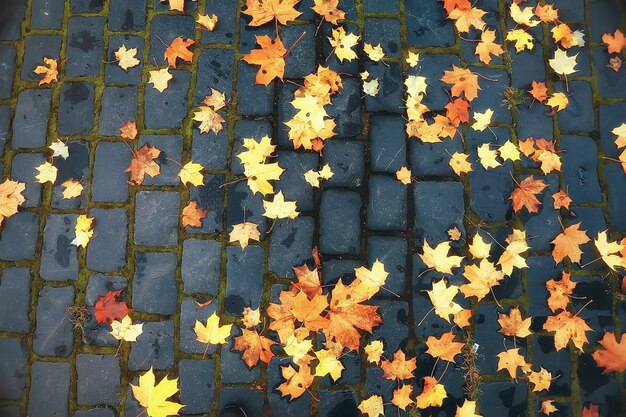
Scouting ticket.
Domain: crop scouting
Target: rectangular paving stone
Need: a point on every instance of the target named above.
(381, 6)
(76, 109)
(5, 123)
(97, 286)
(23, 169)
(494, 394)
(339, 269)
(291, 244)
(74, 167)
(615, 182)
(387, 204)
(245, 206)
(110, 182)
(576, 117)
(127, 16)
(171, 147)
(53, 333)
(84, 46)
(59, 261)
(347, 161)
(197, 385)
(280, 406)
(86, 6)
(98, 379)
(11, 29)
(15, 300)
(394, 328)
(580, 168)
(200, 267)
(610, 84)
(603, 17)
(244, 282)
(30, 123)
(533, 122)
(345, 109)
(433, 158)
(432, 67)
(292, 182)
(334, 402)
(190, 312)
(13, 357)
(250, 400)
(344, 208)
(385, 32)
(486, 325)
(209, 197)
(526, 67)
(167, 28)
(106, 251)
(387, 143)
(546, 356)
(153, 348)
(224, 32)
(47, 14)
(392, 252)
(49, 389)
(233, 369)
(154, 282)
(119, 106)
(439, 207)
(301, 61)
(427, 24)
(209, 150)
(389, 97)
(36, 48)
(7, 68)
(217, 72)
(19, 237)
(156, 218)
(253, 99)
(10, 411)
(113, 73)
(167, 110)
(610, 116)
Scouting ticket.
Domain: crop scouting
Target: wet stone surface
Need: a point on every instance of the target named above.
(56, 360)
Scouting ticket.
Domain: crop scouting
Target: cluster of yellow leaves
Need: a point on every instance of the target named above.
(313, 177)
(83, 230)
(311, 125)
(207, 114)
(257, 170)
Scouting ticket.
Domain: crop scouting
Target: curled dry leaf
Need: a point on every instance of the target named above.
(50, 71)
(72, 189)
(144, 163)
(129, 130)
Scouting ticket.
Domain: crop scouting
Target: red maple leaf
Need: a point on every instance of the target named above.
(109, 308)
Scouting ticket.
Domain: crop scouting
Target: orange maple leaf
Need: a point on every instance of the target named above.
(567, 244)
(50, 71)
(254, 347)
(329, 10)
(615, 42)
(487, 46)
(399, 368)
(308, 280)
(547, 13)
(144, 163)
(308, 312)
(192, 215)
(561, 199)
(525, 195)
(450, 5)
(464, 19)
(559, 292)
(539, 91)
(129, 130)
(613, 356)
(457, 111)
(513, 324)
(10, 198)
(179, 48)
(511, 360)
(591, 410)
(262, 11)
(296, 382)
(462, 81)
(444, 348)
(567, 326)
(270, 57)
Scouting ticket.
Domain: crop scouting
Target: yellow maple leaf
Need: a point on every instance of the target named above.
(251, 317)
(523, 40)
(72, 188)
(371, 279)
(404, 175)
(432, 395)
(459, 163)
(374, 52)
(209, 119)
(482, 120)
(154, 398)
(59, 149)
(609, 251)
(468, 409)
(438, 258)
(262, 11)
(441, 297)
(329, 364)
(487, 157)
(558, 101)
(373, 406)
(479, 248)
(207, 22)
(126, 57)
(562, 63)
(243, 233)
(481, 279)
(525, 16)
(511, 360)
(125, 329)
(542, 379)
(83, 231)
(413, 59)
(343, 43)
(212, 332)
(464, 19)
(509, 151)
(47, 173)
(374, 350)
(10, 198)
(190, 173)
(620, 132)
(256, 152)
(511, 257)
(260, 175)
(160, 78)
(279, 208)
(310, 108)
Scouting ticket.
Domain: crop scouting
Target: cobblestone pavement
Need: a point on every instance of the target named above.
(48, 368)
